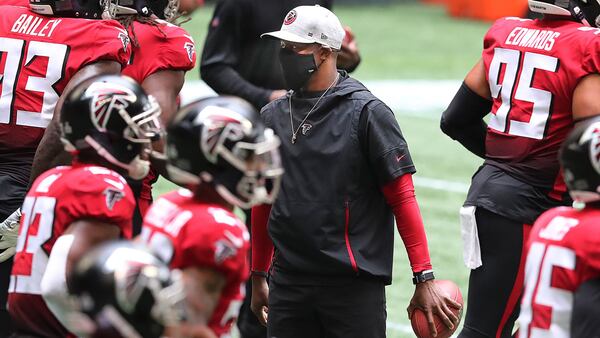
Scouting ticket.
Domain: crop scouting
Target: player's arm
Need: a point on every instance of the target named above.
(80, 237)
(262, 252)
(386, 149)
(50, 152)
(586, 101)
(463, 119)
(165, 86)
(222, 52)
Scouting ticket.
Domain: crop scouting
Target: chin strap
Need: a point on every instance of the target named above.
(136, 169)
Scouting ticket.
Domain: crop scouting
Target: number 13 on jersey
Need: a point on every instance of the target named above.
(11, 55)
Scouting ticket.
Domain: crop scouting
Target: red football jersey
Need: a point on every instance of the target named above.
(186, 233)
(159, 47)
(23, 3)
(532, 67)
(58, 198)
(563, 253)
(38, 56)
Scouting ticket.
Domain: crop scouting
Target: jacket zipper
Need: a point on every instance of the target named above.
(347, 238)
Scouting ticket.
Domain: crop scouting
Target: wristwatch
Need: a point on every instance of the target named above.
(423, 276)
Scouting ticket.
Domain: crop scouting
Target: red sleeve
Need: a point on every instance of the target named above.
(591, 61)
(103, 197)
(111, 43)
(400, 195)
(262, 245)
(217, 240)
(179, 53)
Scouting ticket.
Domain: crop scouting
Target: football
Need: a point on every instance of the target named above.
(419, 320)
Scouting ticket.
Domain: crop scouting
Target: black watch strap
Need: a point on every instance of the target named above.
(423, 276)
(259, 273)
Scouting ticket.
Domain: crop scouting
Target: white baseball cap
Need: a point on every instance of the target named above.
(311, 24)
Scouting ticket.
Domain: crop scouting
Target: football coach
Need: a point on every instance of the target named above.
(348, 172)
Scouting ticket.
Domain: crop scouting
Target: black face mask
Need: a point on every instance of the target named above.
(297, 68)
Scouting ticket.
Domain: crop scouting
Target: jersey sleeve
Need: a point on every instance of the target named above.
(111, 43)
(179, 53)
(591, 60)
(103, 197)
(384, 144)
(220, 246)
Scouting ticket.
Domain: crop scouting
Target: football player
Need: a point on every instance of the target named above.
(44, 51)
(106, 123)
(563, 251)
(162, 53)
(236, 164)
(536, 77)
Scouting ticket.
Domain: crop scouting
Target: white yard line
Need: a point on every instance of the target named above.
(399, 327)
(437, 184)
(412, 97)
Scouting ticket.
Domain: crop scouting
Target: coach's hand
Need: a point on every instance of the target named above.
(429, 299)
(277, 94)
(9, 232)
(260, 298)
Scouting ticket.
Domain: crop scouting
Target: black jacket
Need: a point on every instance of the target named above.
(331, 218)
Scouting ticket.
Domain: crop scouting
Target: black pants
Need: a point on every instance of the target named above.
(585, 322)
(355, 309)
(5, 269)
(495, 288)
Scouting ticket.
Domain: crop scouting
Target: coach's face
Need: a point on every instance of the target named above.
(300, 61)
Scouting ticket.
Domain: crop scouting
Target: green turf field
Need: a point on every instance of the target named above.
(410, 41)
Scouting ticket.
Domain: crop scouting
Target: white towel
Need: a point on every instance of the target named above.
(470, 238)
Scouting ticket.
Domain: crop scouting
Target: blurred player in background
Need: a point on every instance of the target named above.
(106, 123)
(43, 52)
(536, 77)
(564, 247)
(162, 54)
(220, 148)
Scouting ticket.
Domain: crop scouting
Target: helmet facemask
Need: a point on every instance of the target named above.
(238, 156)
(260, 170)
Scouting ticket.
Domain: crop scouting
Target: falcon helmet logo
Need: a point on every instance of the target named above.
(290, 18)
(190, 49)
(108, 98)
(220, 125)
(112, 197)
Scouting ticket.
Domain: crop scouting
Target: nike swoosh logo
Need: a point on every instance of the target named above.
(398, 158)
(238, 242)
(115, 184)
